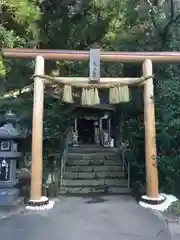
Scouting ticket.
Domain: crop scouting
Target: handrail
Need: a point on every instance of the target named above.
(63, 162)
(125, 161)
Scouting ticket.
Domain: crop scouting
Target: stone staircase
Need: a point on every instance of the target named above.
(94, 170)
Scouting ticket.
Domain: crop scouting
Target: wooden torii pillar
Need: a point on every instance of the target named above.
(152, 183)
(150, 133)
(36, 198)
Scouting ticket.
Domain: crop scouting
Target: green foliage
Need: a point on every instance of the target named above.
(2, 69)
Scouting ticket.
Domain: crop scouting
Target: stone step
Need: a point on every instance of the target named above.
(92, 149)
(94, 190)
(96, 162)
(93, 156)
(95, 182)
(119, 190)
(101, 168)
(93, 175)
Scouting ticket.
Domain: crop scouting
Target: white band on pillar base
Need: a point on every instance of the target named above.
(42, 204)
(160, 203)
(153, 201)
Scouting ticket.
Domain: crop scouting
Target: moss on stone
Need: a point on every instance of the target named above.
(174, 208)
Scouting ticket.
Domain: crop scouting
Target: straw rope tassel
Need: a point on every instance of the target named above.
(112, 95)
(67, 94)
(126, 94)
(90, 96)
(83, 96)
(96, 96)
(119, 94)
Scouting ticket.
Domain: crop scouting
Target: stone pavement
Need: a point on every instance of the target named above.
(76, 218)
(172, 222)
(175, 230)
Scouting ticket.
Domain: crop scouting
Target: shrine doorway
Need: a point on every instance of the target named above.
(85, 130)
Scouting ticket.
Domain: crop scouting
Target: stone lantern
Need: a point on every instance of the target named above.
(10, 135)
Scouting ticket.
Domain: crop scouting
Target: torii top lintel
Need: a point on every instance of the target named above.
(64, 55)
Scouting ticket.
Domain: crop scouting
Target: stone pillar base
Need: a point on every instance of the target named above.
(153, 201)
(43, 204)
(161, 203)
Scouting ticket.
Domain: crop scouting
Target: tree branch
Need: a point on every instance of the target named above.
(171, 20)
(153, 12)
(163, 32)
(15, 93)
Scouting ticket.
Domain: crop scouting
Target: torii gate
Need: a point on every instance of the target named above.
(144, 58)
